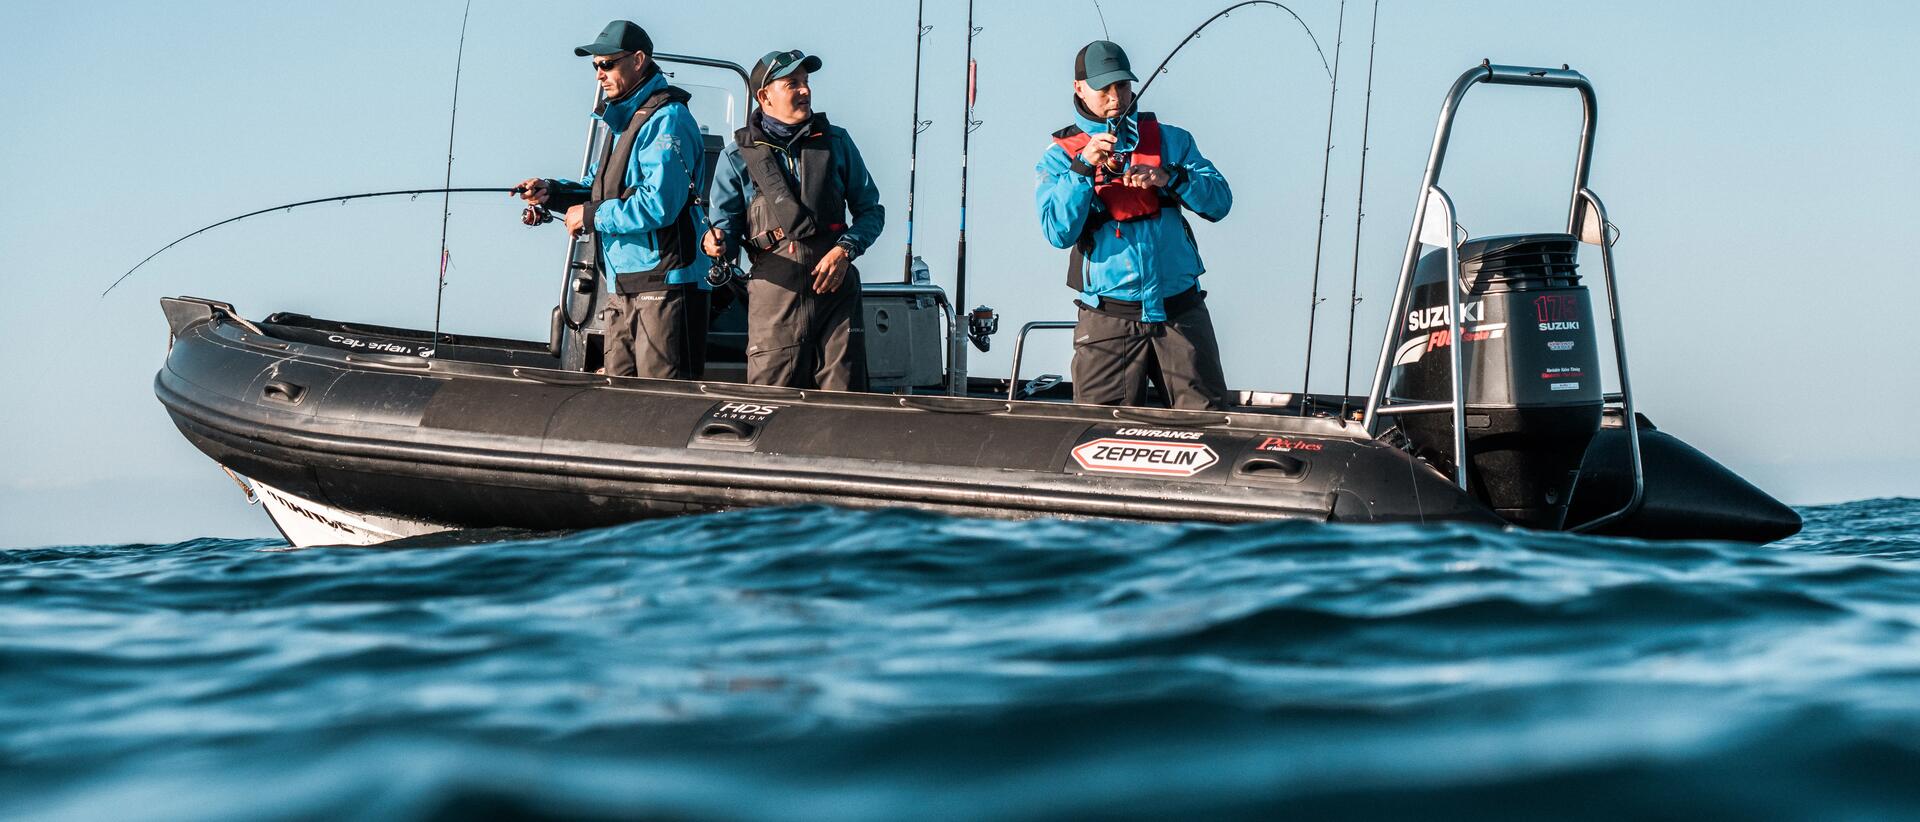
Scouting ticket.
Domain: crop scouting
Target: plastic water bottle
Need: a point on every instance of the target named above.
(921, 275)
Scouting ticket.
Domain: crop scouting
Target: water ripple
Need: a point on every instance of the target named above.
(814, 663)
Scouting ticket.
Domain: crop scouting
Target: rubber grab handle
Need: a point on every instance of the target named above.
(283, 391)
(1277, 464)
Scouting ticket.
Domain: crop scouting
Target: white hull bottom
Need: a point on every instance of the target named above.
(306, 523)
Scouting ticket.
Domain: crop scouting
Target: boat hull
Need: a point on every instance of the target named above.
(457, 444)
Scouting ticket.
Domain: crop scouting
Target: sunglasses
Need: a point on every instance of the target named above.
(779, 62)
(609, 63)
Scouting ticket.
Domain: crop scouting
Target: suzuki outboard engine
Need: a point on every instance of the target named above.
(1532, 381)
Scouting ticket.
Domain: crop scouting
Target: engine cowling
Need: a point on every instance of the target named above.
(1532, 385)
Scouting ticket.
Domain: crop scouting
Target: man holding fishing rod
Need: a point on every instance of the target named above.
(793, 189)
(640, 199)
(1112, 188)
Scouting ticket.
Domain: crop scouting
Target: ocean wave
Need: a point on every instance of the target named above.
(823, 663)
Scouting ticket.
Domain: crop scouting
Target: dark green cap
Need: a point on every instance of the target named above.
(777, 64)
(1102, 63)
(619, 36)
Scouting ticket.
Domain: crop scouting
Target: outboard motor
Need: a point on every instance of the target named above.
(1532, 381)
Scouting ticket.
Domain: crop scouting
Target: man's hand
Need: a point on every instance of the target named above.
(533, 190)
(831, 269)
(1146, 177)
(1098, 151)
(713, 243)
(577, 220)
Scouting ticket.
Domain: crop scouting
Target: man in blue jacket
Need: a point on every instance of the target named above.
(639, 200)
(793, 190)
(1112, 187)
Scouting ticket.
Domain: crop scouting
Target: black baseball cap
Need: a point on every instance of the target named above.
(619, 36)
(777, 64)
(1102, 63)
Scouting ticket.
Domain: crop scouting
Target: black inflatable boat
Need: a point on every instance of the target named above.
(359, 434)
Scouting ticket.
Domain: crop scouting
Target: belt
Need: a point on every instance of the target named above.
(1130, 309)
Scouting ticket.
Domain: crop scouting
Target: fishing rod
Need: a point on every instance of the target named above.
(956, 346)
(1320, 233)
(411, 192)
(919, 125)
(1120, 128)
(1221, 14)
(1359, 212)
(446, 199)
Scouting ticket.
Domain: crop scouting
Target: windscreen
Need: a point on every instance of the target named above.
(719, 109)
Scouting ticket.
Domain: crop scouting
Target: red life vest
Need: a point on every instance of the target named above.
(1124, 203)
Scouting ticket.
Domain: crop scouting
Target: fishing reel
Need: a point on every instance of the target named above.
(536, 215)
(724, 271)
(982, 323)
(532, 214)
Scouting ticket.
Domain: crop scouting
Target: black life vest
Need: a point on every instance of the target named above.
(1121, 203)
(788, 230)
(678, 242)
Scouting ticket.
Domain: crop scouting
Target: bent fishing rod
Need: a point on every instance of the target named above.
(1121, 128)
(411, 192)
(1220, 15)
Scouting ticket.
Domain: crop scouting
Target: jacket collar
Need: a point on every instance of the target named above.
(815, 126)
(617, 113)
(1098, 125)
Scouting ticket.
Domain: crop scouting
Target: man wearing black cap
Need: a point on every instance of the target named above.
(1112, 187)
(793, 189)
(639, 200)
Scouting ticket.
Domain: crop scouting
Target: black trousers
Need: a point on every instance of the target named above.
(800, 339)
(1113, 357)
(658, 334)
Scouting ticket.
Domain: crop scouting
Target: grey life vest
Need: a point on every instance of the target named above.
(677, 243)
(799, 207)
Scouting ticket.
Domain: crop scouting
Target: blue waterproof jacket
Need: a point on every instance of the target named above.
(1145, 260)
(666, 159)
(733, 188)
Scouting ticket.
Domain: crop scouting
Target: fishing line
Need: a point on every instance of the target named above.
(1360, 212)
(446, 200)
(411, 192)
(1320, 233)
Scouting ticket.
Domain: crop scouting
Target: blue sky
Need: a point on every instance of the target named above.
(1758, 157)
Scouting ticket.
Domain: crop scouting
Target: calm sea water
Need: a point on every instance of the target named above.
(822, 664)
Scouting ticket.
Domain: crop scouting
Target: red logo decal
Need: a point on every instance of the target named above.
(1285, 444)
